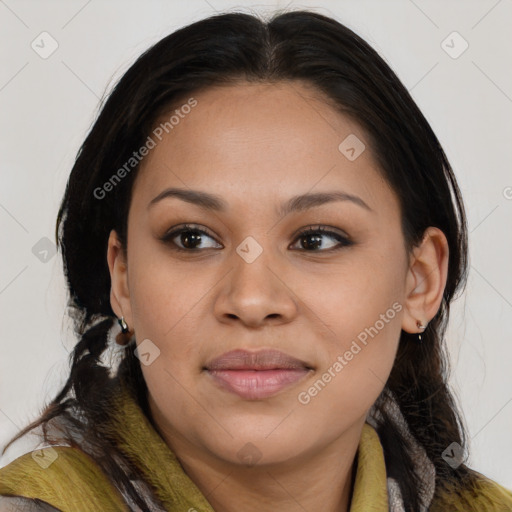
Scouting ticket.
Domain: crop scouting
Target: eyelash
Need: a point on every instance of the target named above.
(322, 230)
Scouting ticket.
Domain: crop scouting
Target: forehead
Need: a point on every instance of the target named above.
(262, 139)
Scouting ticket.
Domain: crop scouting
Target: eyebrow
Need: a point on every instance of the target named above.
(299, 203)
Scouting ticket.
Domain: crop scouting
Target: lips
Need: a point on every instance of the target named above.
(256, 375)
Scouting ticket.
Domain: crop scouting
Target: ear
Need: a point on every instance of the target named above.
(119, 291)
(426, 279)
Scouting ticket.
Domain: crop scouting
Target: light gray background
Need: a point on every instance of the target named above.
(48, 105)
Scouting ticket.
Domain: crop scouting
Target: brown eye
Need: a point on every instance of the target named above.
(317, 240)
(189, 238)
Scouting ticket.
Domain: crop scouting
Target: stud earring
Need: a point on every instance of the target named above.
(419, 325)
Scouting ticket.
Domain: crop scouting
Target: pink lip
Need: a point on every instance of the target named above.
(256, 375)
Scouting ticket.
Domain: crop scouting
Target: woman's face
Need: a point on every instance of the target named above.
(333, 300)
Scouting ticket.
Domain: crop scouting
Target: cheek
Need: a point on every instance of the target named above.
(167, 309)
(363, 310)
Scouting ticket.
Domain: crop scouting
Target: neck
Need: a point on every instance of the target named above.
(324, 477)
(305, 487)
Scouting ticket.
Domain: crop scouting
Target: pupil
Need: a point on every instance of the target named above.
(314, 241)
(189, 238)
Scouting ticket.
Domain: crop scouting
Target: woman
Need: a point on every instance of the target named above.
(271, 220)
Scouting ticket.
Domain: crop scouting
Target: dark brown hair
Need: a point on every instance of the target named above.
(223, 49)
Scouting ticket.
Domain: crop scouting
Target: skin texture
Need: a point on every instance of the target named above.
(256, 146)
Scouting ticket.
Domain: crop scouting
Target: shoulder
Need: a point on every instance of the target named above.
(51, 475)
(484, 495)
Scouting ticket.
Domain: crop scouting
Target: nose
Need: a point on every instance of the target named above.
(255, 294)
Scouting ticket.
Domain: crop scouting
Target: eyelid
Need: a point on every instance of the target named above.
(324, 228)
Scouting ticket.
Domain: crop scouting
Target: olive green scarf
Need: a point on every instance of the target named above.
(74, 482)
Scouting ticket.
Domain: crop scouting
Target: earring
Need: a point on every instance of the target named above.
(123, 337)
(123, 324)
(419, 325)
